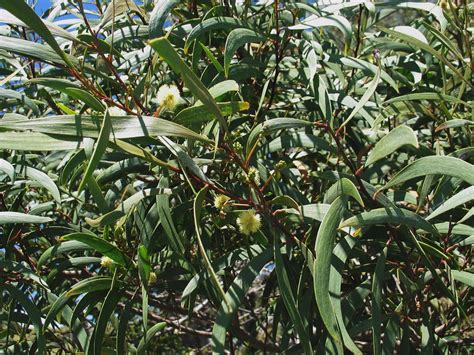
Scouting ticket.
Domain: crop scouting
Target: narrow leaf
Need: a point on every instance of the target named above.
(159, 15)
(377, 284)
(144, 342)
(396, 138)
(434, 165)
(460, 198)
(99, 150)
(16, 217)
(391, 215)
(236, 39)
(325, 241)
(288, 297)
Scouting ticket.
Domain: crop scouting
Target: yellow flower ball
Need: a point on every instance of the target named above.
(105, 261)
(249, 222)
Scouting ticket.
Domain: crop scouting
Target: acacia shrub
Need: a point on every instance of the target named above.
(233, 176)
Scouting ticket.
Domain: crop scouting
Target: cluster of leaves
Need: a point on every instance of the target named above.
(343, 130)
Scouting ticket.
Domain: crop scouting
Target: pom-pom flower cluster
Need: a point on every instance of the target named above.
(249, 222)
(168, 97)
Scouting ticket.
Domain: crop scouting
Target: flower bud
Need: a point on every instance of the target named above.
(152, 278)
(280, 165)
(220, 201)
(253, 176)
(237, 147)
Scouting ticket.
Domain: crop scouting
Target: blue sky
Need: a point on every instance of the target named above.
(42, 5)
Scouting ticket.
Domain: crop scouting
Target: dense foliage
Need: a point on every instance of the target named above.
(234, 176)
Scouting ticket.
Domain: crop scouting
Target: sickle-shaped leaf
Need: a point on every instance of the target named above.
(365, 98)
(285, 200)
(214, 23)
(220, 89)
(42, 179)
(392, 215)
(59, 249)
(337, 21)
(340, 255)
(343, 186)
(126, 315)
(30, 49)
(37, 142)
(108, 307)
(94, 283)
(16, 217)
(80, 126)
(236, 39)
(430, 96)
(99, 150)
(454, 124)
(377, 284)
(396, 138)
(164, 213)
(460, 198)
(159, 15)
(85, 97)
(322, 268)
(54, 83)
(412, 32)
(434, 165)
(7, 168)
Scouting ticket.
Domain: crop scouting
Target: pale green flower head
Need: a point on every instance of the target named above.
(105, 261)
(249, 222)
